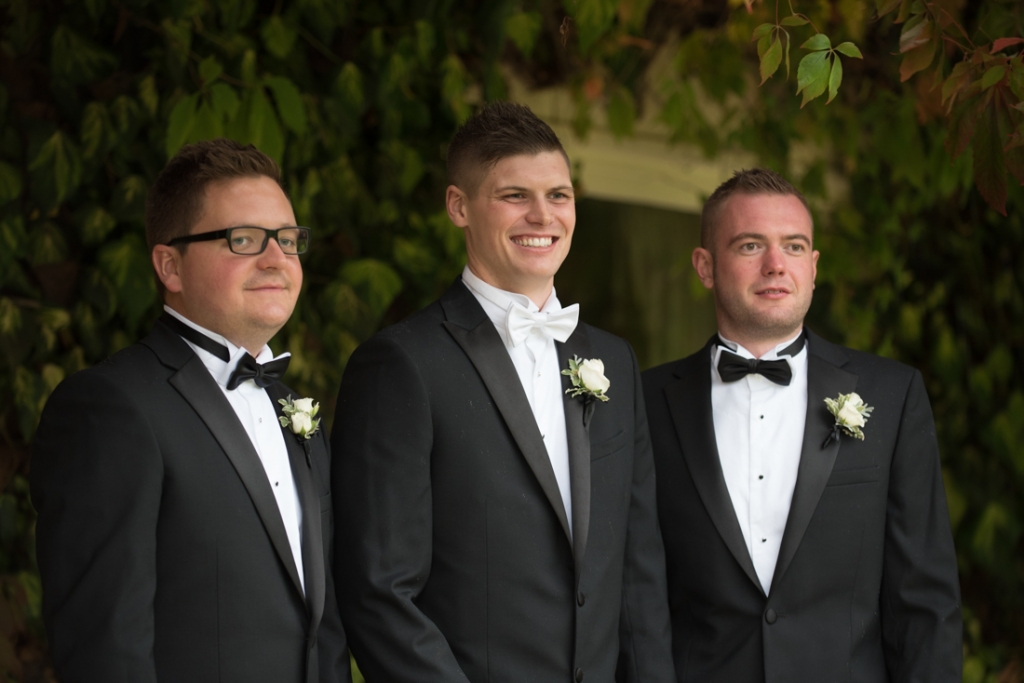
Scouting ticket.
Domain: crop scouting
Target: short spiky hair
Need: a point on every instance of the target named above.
(498, 131)
(752, 181)
(175, 201)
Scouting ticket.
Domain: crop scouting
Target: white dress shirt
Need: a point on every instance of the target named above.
(759, 428)
(536, 362)
(256, 412)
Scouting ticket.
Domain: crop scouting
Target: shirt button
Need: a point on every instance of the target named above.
(764, 540)
(760, 476)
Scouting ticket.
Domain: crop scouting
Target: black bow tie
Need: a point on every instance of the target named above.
(247, 368)
(263, 375)
(733, 367)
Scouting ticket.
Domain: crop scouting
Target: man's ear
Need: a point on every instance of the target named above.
(167, 264)
(704, 264)
(455, 200)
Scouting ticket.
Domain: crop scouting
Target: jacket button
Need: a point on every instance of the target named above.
(580, 598)
(579, 675)
(770, 616)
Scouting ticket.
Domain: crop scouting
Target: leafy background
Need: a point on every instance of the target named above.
(357, 101)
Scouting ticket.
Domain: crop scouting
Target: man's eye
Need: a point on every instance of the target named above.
(241, 240)
(286, 242)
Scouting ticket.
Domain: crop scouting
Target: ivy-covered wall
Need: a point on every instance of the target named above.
(357, 100)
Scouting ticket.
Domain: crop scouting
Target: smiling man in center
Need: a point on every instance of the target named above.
(497, 519)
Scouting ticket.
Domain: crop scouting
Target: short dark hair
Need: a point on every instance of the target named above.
(175, 201)
(752, 181)
(498, 131)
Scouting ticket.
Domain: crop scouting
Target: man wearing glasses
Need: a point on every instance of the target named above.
(183, 533)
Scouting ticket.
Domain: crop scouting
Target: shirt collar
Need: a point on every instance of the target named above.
(220, 370)
(773, 354)
(496, 302)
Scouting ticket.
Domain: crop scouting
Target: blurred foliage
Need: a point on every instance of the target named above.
(357, 101)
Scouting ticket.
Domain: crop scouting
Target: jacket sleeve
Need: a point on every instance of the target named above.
(96, 484)
(920, 603)
(645, 632)
(381, 449)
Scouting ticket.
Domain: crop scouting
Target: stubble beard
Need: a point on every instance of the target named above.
(760, 325)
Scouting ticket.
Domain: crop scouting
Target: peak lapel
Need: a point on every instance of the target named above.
(689, 401)
(309, 501)
(825, 379)
(578, 414)
(198, 388)
(474, 332)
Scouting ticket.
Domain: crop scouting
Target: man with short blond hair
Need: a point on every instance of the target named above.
(183, 534)
(799, 484)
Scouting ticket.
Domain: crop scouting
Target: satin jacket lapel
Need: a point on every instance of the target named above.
(474, 332)
(309, 501)
(689, 401)
(825, 379)
(578, 415)
(198, 388)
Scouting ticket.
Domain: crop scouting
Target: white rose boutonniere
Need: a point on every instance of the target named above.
(300, 416)
(588, 378)
(851, 415)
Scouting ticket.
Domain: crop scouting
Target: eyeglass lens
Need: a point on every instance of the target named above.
(251, 240)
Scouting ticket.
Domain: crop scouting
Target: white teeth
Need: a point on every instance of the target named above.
(533, 241)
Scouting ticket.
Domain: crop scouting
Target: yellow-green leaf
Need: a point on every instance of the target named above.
(761, 31)
(819, 41)
(523, 28)
(993, 76)
(812, 75)
(835, 79)
(278, 36)
(210, 70)
(794, 20)
(850, 50)
(771, 60)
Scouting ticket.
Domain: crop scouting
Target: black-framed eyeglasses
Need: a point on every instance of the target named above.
(249, 240)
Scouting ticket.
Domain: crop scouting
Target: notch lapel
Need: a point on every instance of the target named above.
(194, 383)
(689, 401)
(825, 379)
(474, 332)
(578, 414)
(309, 501)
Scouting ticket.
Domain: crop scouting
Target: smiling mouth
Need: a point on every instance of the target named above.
(534, 241)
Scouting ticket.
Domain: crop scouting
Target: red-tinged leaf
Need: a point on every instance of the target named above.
(993, 76)
(850, 50)
(761, 31)
(771, 60)
(916, 60)
(1003, 43)
(795, 20)
(812, 76)
(962, 124)
(916, 32)
(819, 41)
(957, 81)
(834, 79)
(989, 162)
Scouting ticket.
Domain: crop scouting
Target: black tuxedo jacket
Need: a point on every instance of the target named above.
(454, 560)
(865, 588)
(161, 549)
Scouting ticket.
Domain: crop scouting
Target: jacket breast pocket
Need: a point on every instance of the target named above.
(861, 475)
(610, 446)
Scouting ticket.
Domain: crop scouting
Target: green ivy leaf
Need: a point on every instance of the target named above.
(812, 75)
(76, 59)
(349, 86)
(761, 31)
(224, 100)
(95, 224)
(523, 28)
(128, 202)
(179, 38)
(375, 280)
(278, 36)
(126, 263)
(149, 95)
(795, 20)
(593, 19)
(180, 122)
(47, 245)
(210, 70)
(849, 49)
(425, 41)
(58, 166)
(10, 183)
(414, 256)
(835, 79)
(993, 76)
(264, 130)
(95, 130)
(819, 41)
(289, 103)
(771, 60)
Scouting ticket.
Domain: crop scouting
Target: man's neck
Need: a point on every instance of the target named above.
(538, 293)
(253, 344)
